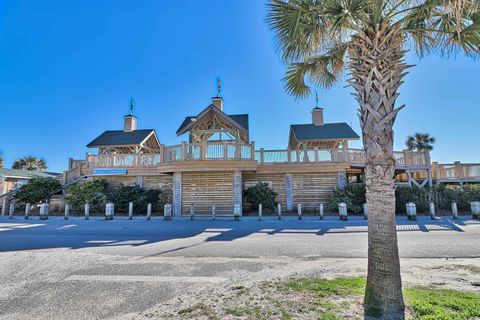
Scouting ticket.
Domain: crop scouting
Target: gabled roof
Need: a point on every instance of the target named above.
(328, 131)
(24, 174)
(241, 120)
(121, 138)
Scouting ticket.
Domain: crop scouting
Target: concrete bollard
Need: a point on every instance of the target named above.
(28, 207)
(192, 211)
(237, 212)
(4, 206)
(149, 211)
(43, 211)
(260, 213)
(67, 211)
(432, 210)
(109, 211)
(213, 211)
(475, 207)
(11, 211)
(342, 211)
(299, 211)
(365, 211)
(411, 211)
(130, 210)
(321, 211)
(87, 211)
(167, 212)
(454, 210)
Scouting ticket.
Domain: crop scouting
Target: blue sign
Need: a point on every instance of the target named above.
(109, 172)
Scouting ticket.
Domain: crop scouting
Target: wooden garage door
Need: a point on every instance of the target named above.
(205, 189)
(276, 182)
(313, 189)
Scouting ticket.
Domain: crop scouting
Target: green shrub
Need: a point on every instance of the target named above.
(353, 195)
(36, 190)
(261, 193)
(462, 196)
(140, 197)
(405, 194)
(92, 192)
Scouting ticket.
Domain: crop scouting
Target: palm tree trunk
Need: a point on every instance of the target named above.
(377, 66)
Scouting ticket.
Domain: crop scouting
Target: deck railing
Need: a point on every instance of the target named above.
(224, 150)
(456, 170)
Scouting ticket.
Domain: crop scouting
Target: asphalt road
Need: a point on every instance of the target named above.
(99, 269)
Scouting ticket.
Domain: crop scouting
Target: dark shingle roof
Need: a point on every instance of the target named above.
(119, 138)
(325, 132)
(241, 119)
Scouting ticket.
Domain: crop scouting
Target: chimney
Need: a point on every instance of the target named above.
(130, 123)
(317, 116)
(218, 102)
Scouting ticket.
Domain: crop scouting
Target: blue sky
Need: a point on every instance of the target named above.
(69, 68)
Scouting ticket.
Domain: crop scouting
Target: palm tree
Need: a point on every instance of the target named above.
(320, 40)
(1, 160)
(420, 141)
(30, 163)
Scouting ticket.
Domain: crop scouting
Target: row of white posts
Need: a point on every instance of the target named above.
(342, 211)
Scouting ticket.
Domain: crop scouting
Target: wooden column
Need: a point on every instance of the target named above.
(289, 191)
(177, 193)
(238, 190)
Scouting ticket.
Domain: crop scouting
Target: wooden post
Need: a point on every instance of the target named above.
(299, 211)
(87, 211)
(316, 154)
(184, 150)
(192, 211)
(279, 211)
(130, 210)
(149, 211)
(11, 211)
(345, 150)
(342, 211)
(67, 211)
(28, 207)
(260, 211)
(321, 211)
(4, 205)
(213, 211)
(252, 150)
(225, 150)
(237, 211)
(289, 155)
(432, 210)
(305, 153)
(262, 156)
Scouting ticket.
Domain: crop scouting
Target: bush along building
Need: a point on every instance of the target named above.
(218, 162)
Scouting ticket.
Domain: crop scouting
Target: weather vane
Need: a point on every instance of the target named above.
(219, 87)
(316, 99)
(132, 105)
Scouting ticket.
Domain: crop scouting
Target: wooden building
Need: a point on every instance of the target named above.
(218, 161)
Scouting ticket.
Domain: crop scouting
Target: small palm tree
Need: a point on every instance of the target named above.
(420, 141)
(320, 40)
(30, 163)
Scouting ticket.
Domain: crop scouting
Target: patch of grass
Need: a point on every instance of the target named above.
(327, 287)
(200, 309)
(432, 304)
(329, 315)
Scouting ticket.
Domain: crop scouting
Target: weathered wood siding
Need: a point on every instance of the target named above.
(164, 183)
(118, 181)
(203, 189)
(276, 182)
(313, 188)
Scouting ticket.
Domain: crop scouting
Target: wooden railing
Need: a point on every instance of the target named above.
(456, 170)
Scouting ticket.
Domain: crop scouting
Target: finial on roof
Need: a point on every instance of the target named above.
(219, 87)
(132, 105)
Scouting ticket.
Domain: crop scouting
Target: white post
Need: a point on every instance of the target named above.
(365, 211)
(432, 210)
(237, 211)
(279, 211)
(130, 210)
(299, 211)
(149, 211)
(11, 211)
(43, 211)
(260, 209)
(27, 210)
(475, 207)
(213, 211)
(67, 211)
(321, 211)
(87, 211)
(192, 211)
(167, 212)
(454, 210)
(411, 211)
(342, 211)
(109, 211)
